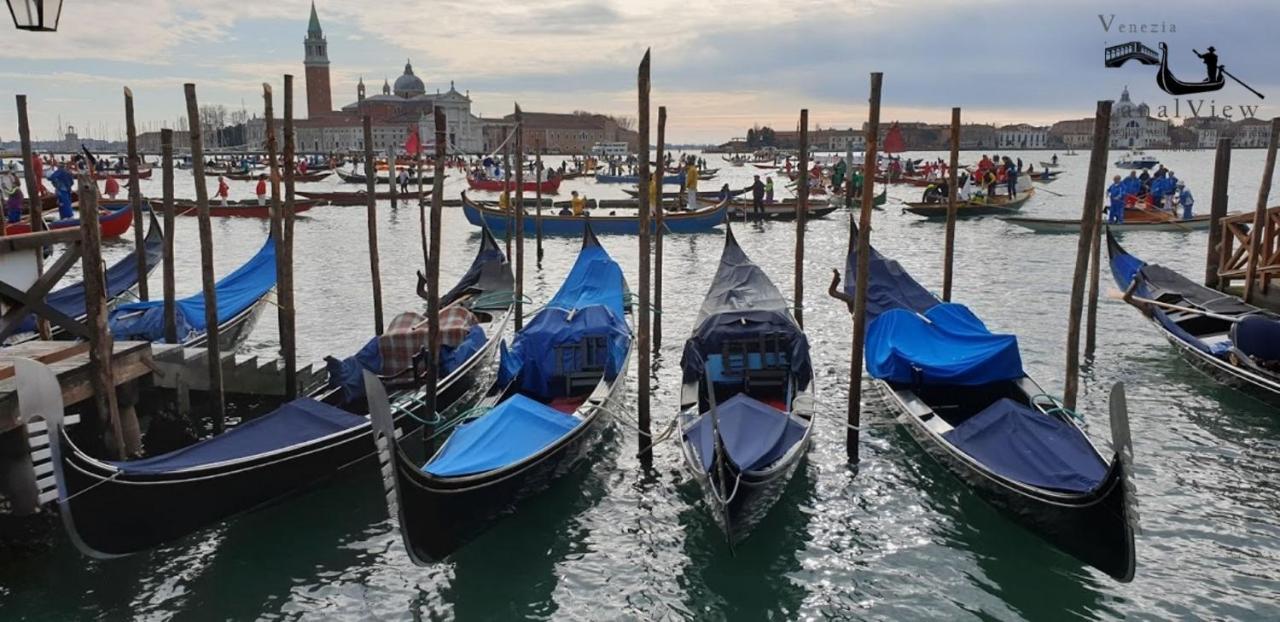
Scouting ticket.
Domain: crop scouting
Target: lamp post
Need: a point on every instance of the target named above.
(35, 15)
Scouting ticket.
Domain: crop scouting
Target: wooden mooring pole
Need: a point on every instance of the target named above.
(660, 216)
(506, 189)
(949, 247)
(864, 273)
(371, 217)
(217, 404)
(135, 193)
(644, 371)
(101, 378)
(537, 218)
(1259, 227)
(1217, 209)
(167, 269)
(518, 207)
(277, 210)
(1095, 267)
(802, 207)
(1088, 221)
(433, 267)
(34, 206)
(284, 259)
(393, 177)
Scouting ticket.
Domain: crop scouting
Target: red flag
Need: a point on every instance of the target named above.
(411, 143)
(893, 142)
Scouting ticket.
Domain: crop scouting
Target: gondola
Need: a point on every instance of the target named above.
(676, 194)
(964, 397)
(558, 383)
(118, 508)
(113, 223)
(357, 178)
(241, 296)
(1134, 220)
(1173, 86)
(358, 198)
(675, 180)
(238, 209)
(777, 210)
(999, 204)
(120, 279)
(144, 172)
(747, 397)
(1235, 343)
(705, 219)
(549, 186)
(297, 177)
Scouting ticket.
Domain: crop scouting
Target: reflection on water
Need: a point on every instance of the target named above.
(895, 538)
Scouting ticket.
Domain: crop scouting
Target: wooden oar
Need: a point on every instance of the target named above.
(1166, 217)
(1042, 189)
(1130, 298)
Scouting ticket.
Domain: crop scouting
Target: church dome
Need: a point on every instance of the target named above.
(409, 85)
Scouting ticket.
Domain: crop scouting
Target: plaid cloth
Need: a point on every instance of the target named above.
(407, 335)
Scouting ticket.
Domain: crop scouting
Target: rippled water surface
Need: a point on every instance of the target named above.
(893, 538)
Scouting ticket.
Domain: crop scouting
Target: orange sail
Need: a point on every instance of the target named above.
(893, 142)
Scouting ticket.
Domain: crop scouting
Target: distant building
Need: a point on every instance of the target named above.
(149, 142)
(556, 133)
(1022, 136)
(1075, 134)
(1132, 125)
(841, 141)
(976, 137)
(1251, 133)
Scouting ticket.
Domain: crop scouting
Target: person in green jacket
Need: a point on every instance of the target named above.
(838, 172)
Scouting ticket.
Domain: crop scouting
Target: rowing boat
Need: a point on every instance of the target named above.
(242, 209)
(549, 186)
(1134, 220)
(114, 508)
(747, 400)
(113, 223)
(359, 197)
(357, 178)
(676, 194)
(1233, 342)
(559, 382)
(973, 207)
(298, 177)
(700, 220)
(964, 397)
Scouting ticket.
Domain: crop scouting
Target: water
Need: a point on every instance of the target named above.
(892, 538)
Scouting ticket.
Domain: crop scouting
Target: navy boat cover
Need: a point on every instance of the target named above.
(754, 434)
(297, 422)
(743, 304)
(514, 430)
(121, 277)
(589, 304)
(144, 321)
(490, 272)
(1031, 447)
(948, 344)
(890, 286)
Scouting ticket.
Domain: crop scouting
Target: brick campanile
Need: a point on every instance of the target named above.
(319, 98)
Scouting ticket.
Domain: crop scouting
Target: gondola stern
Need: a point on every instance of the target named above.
(385, 443)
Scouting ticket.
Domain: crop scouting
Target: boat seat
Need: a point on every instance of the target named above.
(582, 364)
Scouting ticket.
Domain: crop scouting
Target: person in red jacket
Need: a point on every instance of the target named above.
(223, 189)
(112, 188)
(261, 190)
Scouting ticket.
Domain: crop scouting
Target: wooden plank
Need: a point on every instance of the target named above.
(50, 355)
(38, 239)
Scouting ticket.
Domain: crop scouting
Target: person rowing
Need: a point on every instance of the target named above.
(1116, 194)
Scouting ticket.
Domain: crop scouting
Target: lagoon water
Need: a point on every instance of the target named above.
(895, 537)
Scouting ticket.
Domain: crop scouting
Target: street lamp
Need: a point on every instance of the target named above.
(35, 15)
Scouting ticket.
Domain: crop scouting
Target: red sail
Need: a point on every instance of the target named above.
(893, 142)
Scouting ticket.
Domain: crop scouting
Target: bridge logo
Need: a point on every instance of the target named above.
(1215, 74)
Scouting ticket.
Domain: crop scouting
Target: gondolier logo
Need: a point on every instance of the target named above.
(1215, 73)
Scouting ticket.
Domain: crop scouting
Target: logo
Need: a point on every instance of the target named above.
(1116, 56)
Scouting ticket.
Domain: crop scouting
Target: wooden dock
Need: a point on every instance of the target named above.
(130, 360)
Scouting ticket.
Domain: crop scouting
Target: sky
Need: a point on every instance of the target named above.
(720, 66)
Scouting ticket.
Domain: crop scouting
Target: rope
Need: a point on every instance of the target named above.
(633, 300)
(662, 436)
(725, 502)
(499, 299)
(1058, 407)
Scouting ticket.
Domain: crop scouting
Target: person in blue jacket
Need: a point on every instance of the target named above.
(1132, 185)
(62, 181)
(1188, 202)
(1115, 211)
(1160, 187)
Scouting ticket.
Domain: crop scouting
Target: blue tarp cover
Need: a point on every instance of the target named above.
(890, 286)
(144, 321)
(949, 345)
(514, 430)
(754, 434)
(296, 422)
(589, 304)
(1030, 447)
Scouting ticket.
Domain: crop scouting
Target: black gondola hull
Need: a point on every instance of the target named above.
(1093, 528)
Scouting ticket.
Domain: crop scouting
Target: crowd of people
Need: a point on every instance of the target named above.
(1161, 191)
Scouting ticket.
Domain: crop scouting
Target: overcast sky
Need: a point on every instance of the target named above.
(719, 65)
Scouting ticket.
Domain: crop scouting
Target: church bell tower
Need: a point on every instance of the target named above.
(319, 99)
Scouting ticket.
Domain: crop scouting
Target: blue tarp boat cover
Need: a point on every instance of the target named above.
(754, 434)
(144, 321)
(589, 304)
(121, 277)
(294, 423)
(948, 345)
(514, 430)
(890, 286)
(490, 272)
(1030, 447)
(1258, 337)
(743, 304)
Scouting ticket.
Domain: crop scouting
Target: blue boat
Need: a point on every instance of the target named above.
(964, 397)
(697, 221)
(556, 387)
(241, 296)
(121, 278)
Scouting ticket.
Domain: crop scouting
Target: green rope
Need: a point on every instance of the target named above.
(498, 300)
(633, 300)
(1058, 407)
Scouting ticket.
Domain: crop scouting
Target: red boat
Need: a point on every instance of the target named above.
(243, 209)
(113, 223)
(143, 173)
(550, 186)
